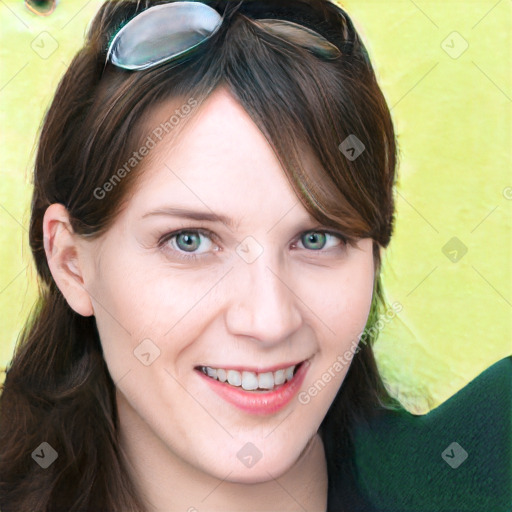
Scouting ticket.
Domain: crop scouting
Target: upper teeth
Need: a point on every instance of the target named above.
(250, 380)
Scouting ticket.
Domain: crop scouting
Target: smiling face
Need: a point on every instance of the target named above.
(263, 290)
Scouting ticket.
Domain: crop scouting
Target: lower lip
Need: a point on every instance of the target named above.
(259, 402)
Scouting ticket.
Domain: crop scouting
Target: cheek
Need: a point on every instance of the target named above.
(127, 306)
(344, 300)
(343, 319)
(135, 302)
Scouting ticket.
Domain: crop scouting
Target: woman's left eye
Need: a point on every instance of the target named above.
(186, 243)
(319, 239)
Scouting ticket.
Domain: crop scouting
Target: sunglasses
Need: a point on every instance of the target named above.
(172, 31)
(41, 7)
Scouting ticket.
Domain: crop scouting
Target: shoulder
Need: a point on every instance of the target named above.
(456, 457)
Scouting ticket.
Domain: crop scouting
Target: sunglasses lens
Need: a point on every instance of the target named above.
(162, 33)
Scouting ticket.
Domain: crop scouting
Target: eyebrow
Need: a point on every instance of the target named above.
(185, 213)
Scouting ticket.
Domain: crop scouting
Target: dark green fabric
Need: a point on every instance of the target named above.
(399, 459)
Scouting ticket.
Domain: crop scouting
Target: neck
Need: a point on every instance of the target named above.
(169, 483)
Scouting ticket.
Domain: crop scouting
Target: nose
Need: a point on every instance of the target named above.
(262, 303)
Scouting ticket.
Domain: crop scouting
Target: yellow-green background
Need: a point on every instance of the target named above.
(453, 121)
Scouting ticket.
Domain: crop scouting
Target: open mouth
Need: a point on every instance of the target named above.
(252, 381)
(262, 393)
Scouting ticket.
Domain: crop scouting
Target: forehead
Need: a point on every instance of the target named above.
(218, 159)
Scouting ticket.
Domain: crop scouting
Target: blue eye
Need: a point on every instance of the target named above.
(186, 242)
(318, 239)
(190, 241)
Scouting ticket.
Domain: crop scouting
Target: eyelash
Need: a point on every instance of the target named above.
(193, 257)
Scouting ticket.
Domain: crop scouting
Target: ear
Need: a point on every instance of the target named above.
(64, 255)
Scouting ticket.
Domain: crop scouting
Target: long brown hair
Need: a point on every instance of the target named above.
(57, 388)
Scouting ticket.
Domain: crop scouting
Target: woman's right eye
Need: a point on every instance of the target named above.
(184, 243)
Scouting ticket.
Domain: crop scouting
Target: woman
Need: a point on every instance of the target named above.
(212, 189)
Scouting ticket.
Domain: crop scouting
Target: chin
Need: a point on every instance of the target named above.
(255, 471)
(257, 474)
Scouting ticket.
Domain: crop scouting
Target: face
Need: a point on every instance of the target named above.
(248, 297)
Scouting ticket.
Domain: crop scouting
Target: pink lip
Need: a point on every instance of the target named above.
(259, 402)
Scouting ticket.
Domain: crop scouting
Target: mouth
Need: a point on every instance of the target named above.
(252, 381)
(264, 392)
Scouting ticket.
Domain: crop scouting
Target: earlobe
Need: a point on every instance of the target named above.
(63, 256)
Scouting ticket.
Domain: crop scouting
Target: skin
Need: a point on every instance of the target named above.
(294, 302)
